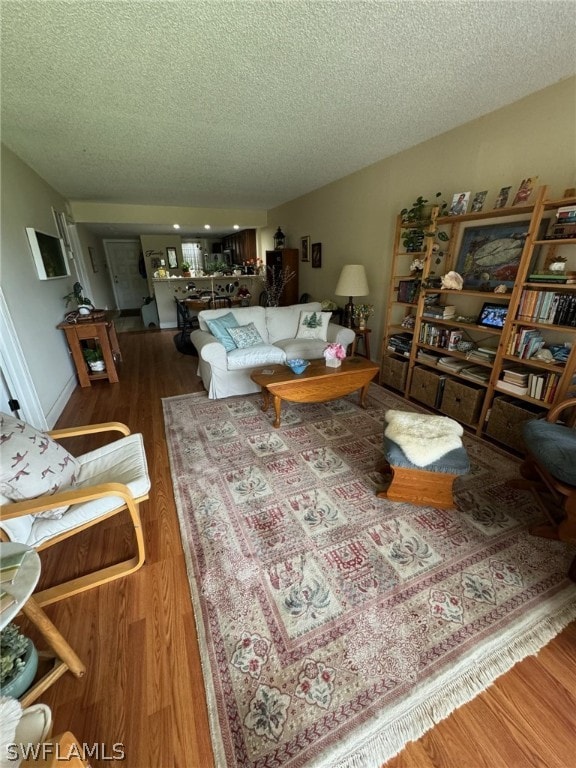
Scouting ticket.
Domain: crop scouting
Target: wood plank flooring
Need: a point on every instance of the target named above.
(143, 686)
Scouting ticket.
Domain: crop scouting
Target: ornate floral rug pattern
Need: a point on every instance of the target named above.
(335, 626)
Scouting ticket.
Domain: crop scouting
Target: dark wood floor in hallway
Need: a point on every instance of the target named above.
(143, 687)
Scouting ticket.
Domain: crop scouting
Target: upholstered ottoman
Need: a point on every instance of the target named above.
(425, 455)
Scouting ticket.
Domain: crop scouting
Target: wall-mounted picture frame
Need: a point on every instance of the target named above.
(93, 261)
(49, 254)
(172, 256)
(489, 255)
(305, 248)
(316, 255)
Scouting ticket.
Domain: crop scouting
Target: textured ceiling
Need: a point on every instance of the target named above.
(251, 104)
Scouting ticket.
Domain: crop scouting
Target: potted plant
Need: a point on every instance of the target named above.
(84, 304)
(419, 215)
(94, 358)
(18, 661)
(185, 267)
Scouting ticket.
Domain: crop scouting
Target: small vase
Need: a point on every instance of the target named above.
(333, 362)
(362, 324)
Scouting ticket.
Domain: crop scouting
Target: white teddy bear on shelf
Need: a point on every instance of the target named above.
(452, 281)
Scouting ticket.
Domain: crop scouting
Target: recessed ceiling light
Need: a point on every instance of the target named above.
(176, 226)
(236, 226)
(206, 226)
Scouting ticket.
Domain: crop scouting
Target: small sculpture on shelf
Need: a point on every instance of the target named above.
(452, 281)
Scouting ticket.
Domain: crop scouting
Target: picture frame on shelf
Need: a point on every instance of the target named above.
(525, 190)
(316, 255)
(172, 256)
(305, 248)
(489, 255)
(492, 315)
(502, 198)
(406, 290)
(459, 204)
(478, 201)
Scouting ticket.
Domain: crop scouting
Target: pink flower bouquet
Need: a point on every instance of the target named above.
(334, 354)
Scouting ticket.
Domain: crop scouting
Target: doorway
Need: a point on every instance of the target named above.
(123, 258)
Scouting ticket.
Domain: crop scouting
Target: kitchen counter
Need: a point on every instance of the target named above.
(167, 288)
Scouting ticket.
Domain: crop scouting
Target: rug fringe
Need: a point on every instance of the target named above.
(382, 745)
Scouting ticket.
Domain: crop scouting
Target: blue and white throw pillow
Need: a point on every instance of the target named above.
(219, 327)
(245, 336)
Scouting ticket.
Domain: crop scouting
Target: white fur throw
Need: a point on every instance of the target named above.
(424, 439)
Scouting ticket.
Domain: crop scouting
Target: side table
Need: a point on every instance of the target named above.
(64, 658)
(363, 335)
(104, 333)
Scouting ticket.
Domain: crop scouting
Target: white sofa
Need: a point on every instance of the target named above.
(228, 373)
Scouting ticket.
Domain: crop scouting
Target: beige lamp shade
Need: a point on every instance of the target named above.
(352, 281)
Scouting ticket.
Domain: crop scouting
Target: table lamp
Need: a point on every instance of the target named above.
(352, 282)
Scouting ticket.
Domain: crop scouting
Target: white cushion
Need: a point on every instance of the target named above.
(313, 325)
(122, 461)
(308, 349)
(282, 322)
(33, 464)
(252, 357)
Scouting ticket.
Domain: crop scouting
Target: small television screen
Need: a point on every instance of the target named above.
(49, 254)
(492, 315)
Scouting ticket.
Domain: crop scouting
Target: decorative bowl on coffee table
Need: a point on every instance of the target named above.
(298, 365)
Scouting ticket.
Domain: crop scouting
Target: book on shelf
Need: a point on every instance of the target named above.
(429, 357)
(566, 214)
(547, 277)
(6, 600)
(453, 364)
(476, 373)
(440, 311)
(513, 389)
(516, 376)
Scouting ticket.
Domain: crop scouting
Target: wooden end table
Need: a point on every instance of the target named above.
(363, 335)
(317, 384)
(104, 333)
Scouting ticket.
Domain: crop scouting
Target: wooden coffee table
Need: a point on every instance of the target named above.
(317, 384)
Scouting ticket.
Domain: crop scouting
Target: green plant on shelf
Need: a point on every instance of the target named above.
(13, 646)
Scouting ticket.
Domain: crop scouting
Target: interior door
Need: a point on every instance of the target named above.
(130, 288)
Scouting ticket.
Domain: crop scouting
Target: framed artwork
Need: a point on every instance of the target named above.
(459, 204)
(489, 255)
(49, 254)
(93, 262)
(478, 201)
(525, 190)
(62, 226)
(172, 256)
(316, 255)
(502, 198)
(305, 248)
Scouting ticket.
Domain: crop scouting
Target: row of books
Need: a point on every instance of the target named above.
(482, 354)
(445, 338)
(539, 386)
(401, 343)
(547, 307)
(455, 365)
(525, 342)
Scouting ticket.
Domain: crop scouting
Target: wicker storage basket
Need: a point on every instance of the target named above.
(394, 373)
(462, 402)
(506, 419)
(427, 387)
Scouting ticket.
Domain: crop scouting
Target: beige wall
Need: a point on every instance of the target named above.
(354, 217)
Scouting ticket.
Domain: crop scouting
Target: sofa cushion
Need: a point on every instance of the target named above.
(313, 325)
(282, 322)
(308, 349)
(252, 357)
(243, 315)
(219, 327)
(33, 464)
(245, 336)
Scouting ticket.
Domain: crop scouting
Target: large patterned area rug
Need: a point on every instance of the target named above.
(335, 626)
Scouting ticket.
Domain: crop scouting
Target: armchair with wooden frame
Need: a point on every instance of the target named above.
(110, 480)
(550, 468)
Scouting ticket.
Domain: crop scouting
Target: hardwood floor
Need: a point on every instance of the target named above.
(143, 686)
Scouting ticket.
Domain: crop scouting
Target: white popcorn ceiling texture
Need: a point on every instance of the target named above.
(251, 104)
